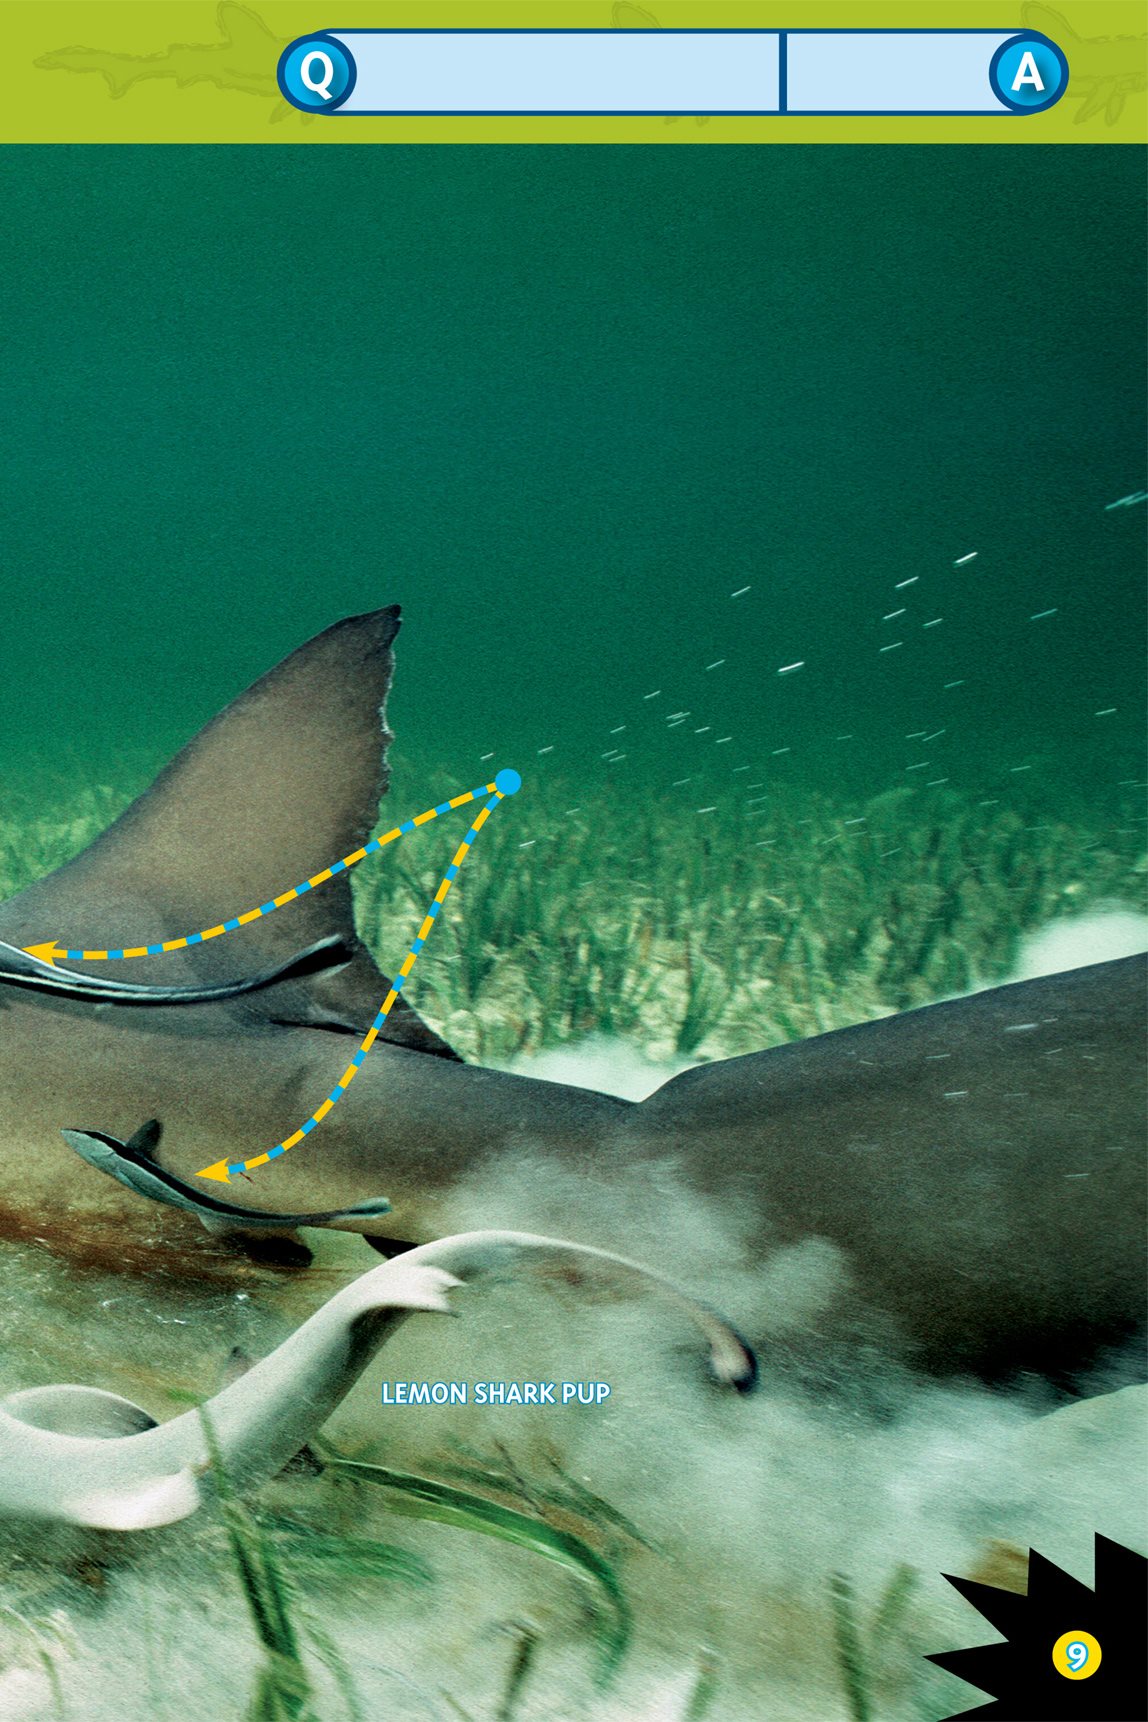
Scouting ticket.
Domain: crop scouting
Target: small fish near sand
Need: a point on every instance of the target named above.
(984, 1221)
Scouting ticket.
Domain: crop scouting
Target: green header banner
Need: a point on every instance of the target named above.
(185, 71)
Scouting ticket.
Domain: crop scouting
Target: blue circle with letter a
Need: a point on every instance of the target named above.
(316, 74)
(1028, 73)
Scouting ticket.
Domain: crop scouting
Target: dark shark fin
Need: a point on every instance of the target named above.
(244, 28)
(145, 1141)
(286, 780)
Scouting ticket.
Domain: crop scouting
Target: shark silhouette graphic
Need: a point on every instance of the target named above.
(1103, 70)
(244, 59)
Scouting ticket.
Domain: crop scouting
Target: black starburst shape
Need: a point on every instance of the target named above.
(1021, 1674)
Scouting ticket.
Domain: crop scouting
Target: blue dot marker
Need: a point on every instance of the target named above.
(1028, 73)
(508, 782)
(316, 73)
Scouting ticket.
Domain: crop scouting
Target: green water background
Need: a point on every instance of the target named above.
(562, 403)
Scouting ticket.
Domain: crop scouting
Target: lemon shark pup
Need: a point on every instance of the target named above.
(974, 1168)
(83, 1456)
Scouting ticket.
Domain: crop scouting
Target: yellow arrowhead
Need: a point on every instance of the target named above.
(46, 953)
(218, 1171)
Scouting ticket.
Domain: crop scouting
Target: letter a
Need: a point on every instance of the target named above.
(1027, 73)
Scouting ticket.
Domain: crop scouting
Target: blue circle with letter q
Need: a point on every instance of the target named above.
(316, 74)
(1028, 73)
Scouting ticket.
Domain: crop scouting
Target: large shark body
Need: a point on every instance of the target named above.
(976, 1166)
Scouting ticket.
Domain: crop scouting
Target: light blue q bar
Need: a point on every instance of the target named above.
(591, 72)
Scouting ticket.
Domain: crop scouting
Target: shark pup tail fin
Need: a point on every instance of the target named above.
(284, 782)
(731, 1357)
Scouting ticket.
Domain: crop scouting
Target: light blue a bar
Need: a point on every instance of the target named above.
(562, 71)
(893, 72)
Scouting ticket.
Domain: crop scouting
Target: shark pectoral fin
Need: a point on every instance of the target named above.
(276, 790)
(159, 1501)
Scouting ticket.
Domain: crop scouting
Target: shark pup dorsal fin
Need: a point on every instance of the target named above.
(286, 780)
